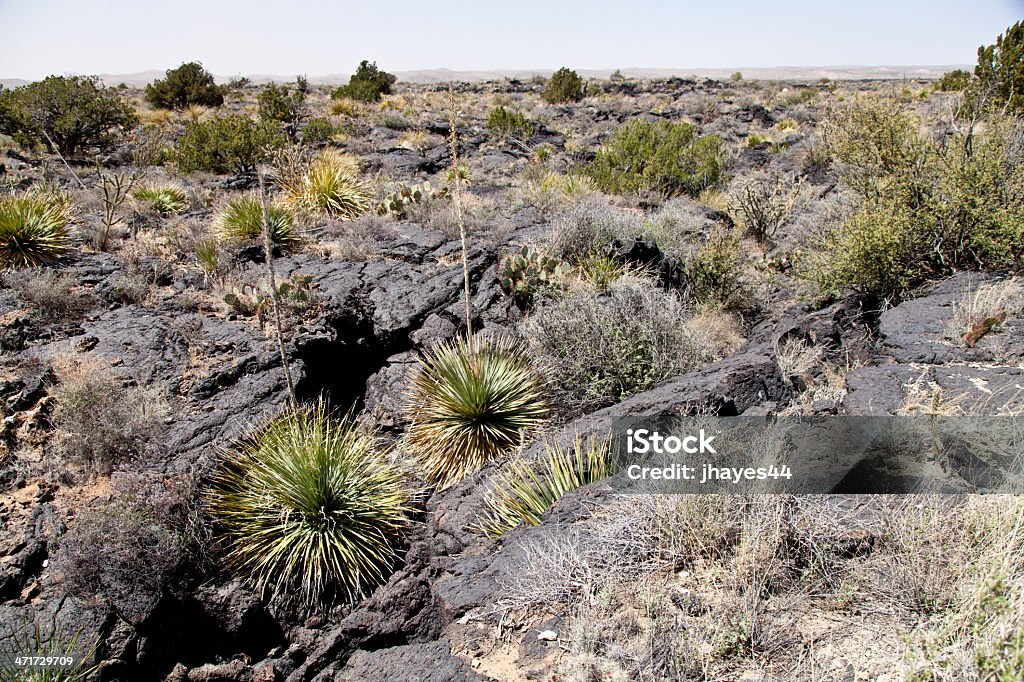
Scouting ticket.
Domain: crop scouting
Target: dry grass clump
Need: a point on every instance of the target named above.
(355, 240)
(588, 225)
(954, 570)
(439, 213)
(718, 331)
(419, 141)
(101, 420)
(136, 545)
(706, 586)
(54, 297)
(809, 374)
(548, 190)
(984, 308)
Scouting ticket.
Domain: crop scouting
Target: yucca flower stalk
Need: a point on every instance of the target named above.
(471, 401)
(34, 228)
(525, 491)
(310, 508)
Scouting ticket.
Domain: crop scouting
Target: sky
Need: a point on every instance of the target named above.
(245, 37)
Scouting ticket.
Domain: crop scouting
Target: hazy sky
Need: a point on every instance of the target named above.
(230, 37)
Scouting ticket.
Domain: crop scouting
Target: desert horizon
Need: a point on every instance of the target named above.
(442, 75)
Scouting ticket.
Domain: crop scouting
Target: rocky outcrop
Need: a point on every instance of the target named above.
(431, 662)
(924, 364)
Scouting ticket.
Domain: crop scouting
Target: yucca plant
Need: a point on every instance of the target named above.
(310, 508)
(330, 185)
(30, 655)
(164, 199)
(241, 219)
(34, 228)
(600, 270)
(526, 491)
(471, 401)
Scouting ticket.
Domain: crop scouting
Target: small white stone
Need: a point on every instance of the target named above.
(548, 636)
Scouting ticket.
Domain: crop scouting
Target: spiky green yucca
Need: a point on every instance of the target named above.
(34, 228)
(329, 186)
(241, 219)
(524, 493)
(70, 662)
(469, 402)
(310, 508)
(165, 199)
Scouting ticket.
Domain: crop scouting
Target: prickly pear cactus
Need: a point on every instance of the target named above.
(522, 273)
(397, 203)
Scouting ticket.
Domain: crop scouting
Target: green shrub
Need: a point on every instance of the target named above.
(33, 228)
(164, 199)
(318, 131)
(329, 185)
(524, 492)
(927, 207)
(598, 348)
(367, 84)
(504, 123)
(309, 505)
(241, 219)
(663, 157)
(713, 272)
(565, 85)
(396, 122)
(184, 86)
(65, 114)
(471, 401)
(1000, 69)
(278, 104)
(953, 81)
(226, 144)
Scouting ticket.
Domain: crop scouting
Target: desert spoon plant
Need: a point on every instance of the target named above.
(472, 400)
(309, 508)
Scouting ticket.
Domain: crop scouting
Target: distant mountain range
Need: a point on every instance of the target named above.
(795, 73)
